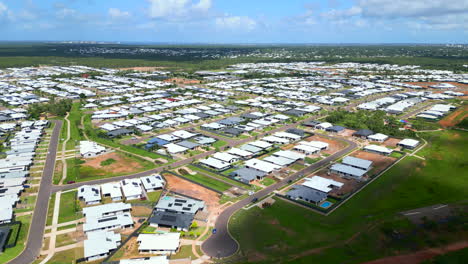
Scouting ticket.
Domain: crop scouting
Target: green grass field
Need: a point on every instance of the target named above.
(284, 230)
(69, 207)
(208, 182)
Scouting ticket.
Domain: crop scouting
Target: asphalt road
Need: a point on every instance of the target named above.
(36, 231)
(221, 244)
(231, 143)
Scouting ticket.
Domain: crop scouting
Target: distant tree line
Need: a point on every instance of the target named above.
(377, 121)
(57, 108)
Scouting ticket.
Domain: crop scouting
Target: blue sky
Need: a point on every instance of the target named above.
(237, 21)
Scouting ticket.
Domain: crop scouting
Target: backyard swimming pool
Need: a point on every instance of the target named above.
(326, 204)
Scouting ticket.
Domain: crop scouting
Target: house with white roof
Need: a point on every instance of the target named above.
(316, 144)
(100, 244)
(153, 182)
(111, 222)
(165, 243)
(226, 157)
(306, 149)
(244, 154)
(131, 189)
(377, 137)
(90, 194)
(322, 184)
(378, 149)
(216, 164)
(107, 210)
(112, 190)
(408, 143)
(261, 165)
(90, 149)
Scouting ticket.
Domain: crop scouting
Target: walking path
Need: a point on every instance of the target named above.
(64, 149)
(53, 234)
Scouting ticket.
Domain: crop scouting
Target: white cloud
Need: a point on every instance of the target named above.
(203, 5)
(176, 9)
(116, 13)
(411, 8)
(236, 23)
(342, 14)
(3, 9)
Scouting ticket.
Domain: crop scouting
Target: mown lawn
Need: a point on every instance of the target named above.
(69, 207)
(184, 252)
(209, 182)
(283, 230)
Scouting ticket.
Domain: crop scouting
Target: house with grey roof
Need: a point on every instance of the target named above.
(301, 192)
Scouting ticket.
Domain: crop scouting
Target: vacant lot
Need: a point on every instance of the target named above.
(105, 166)
(454, 118)
(333, 145)
(361, 229)
(182, 186)
(379, 162)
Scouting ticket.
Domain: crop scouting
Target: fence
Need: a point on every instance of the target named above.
(13, 243)
(190, 180)
(217, 173)
(343, 199)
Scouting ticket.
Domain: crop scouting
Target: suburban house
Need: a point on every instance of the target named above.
(378, 149)
(302, 192)
(90, 194)
(408, 143)
(378, 137)
(100, 244)
(110, 222)
(153, 182)
(215, 164)
(131, 189)
(112, 190)
(175, 212)
(363, 133)
(165, 243)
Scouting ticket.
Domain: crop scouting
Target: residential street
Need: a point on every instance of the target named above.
(36, 230)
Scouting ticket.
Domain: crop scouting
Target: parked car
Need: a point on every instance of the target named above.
(70, 182)
(254, 200)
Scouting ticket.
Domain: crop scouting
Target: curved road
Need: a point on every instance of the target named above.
(36, 229)
(221, 244)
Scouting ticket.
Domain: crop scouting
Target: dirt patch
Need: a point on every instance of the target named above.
(122, 164)
(349, 185)
(380, 162)
(184, 187)
(391, 142)
(421, 255)
(455, 117)
(333, 145)
(141, 211)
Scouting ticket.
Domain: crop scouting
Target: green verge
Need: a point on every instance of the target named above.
(69, 207)
(285, 230)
